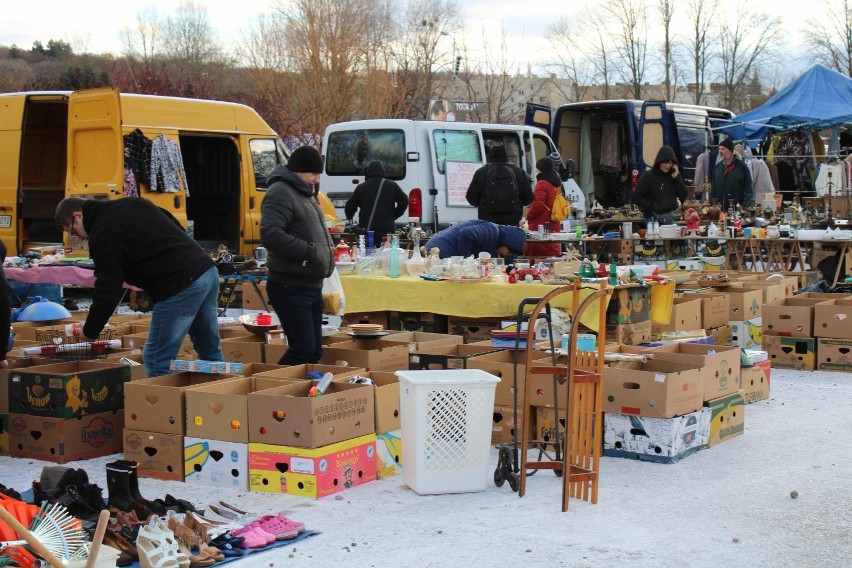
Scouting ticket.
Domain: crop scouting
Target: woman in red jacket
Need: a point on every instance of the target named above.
(546, 186)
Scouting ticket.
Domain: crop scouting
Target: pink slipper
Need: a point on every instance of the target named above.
(280, 528)
(254, 537)
(298, 525)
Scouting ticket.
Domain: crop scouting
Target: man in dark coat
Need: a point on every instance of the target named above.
(475, 236)
(659, 189)
(477, 192)
(379, 208)
(132, 240)
(299, 253)
(731, 181)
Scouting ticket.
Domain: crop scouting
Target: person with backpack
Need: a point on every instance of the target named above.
(499, 189)
(541, 209)
(659, 189)
(380, 200)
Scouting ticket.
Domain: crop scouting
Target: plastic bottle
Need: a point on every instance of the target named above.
(579, 233)
(570, 220)
(321, 386)
(393, 262)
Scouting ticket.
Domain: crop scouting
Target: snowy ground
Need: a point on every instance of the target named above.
(730, 505)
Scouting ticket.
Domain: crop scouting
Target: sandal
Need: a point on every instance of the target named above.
(191, 539)
(127, 553)
(156, 550)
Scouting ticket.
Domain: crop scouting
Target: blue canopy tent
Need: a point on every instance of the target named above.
(819, 99)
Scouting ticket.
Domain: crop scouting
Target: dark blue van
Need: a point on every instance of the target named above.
(612, 142)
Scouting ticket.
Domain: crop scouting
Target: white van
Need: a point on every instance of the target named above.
(432, 161)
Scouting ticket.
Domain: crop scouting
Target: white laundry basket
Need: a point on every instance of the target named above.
(446, 420)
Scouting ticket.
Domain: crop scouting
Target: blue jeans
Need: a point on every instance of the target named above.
(193, 310)
(300, 312)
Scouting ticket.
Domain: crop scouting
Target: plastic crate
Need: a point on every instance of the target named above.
(446, 420)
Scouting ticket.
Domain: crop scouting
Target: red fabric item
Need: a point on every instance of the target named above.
(539, 214)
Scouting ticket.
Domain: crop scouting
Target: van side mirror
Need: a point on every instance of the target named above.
(570, 170)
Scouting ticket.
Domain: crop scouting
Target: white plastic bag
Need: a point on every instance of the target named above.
(332, 294)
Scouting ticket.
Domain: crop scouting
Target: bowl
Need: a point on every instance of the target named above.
(249, 322)
(345, 267)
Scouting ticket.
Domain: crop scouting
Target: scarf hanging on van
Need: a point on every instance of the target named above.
(167, 172)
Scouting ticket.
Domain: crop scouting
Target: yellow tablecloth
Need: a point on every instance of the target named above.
(460, 299)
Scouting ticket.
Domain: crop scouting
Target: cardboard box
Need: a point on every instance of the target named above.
(629, 305)
(61, 440)
(380, 318)
(502, 364)
(685, 316)
(833, 318)
(158, 455)
(720, 365)
(791, 283)
(755, 381)
(504, 422)
(315, 473)
(252, 296)
(214, 462)
(629, 333)
(389, 454)
(790, 352)
(790, 316)
(747, 334)
(661, 440)
(4, 391)
(157, 404)
(65, 390)
(834, 354)
(721, 335)
(473, 330)
(423, 340)
(4, 435)
(417, 321)
(659, 389)
(287, 416)
(727, 418)
(772, 291)
(246, 349)
(715, 309)
(219, 410)
(369, 354)
(445, 357)
(137, 371)
(386, 394)
(745, 303)
(309, 371)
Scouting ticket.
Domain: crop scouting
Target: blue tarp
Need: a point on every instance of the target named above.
(819, 99)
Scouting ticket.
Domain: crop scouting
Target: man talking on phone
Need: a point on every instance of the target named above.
(660, 188)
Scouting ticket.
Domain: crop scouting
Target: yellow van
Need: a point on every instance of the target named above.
(88, 143)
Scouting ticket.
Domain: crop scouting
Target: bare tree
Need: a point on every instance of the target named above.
(747, 41)
(700, 43)
(629, 29)
(830, 36)
(192, 49)
(573, 60)
(666, 9)
(142, 70)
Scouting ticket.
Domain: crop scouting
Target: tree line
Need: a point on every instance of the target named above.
(305, 64)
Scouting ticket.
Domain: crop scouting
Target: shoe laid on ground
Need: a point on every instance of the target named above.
(284, 520)
(281, 529)
(253, 537)
(158, 549)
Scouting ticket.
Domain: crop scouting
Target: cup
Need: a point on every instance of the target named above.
(264, 319)
(747, 232)
(627, 230)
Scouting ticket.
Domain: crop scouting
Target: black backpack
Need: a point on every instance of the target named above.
(501, 189)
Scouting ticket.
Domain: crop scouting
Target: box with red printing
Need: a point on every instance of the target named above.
(312, 472)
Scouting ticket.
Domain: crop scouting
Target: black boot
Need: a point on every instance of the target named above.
(118, 487)
(132, 467)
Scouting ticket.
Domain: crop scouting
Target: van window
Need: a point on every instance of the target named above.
(456, 146)
(693, 137)
(266, 153)
(349, 152)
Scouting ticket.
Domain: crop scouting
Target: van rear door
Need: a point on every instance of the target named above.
(540, 116)
(654, 130)
(95, 145)
(11, 119)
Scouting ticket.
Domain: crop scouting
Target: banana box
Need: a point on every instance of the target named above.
(727, 418)
(61, 440)
(158, 455)
(389, 454)
(834, 354)
(312, 472)
(661, 440)
(791, 352)
(754, 381)
(747, 334)
(214, 462)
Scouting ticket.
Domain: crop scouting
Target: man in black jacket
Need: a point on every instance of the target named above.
(132, 240)
(501, 211)
(380, 200)
(659, 188)
(300, 253)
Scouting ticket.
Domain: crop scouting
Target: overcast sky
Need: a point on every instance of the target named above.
(94, 25)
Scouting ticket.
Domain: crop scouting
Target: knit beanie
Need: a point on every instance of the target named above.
(544, 165)
(727, 143)
(305, 159)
